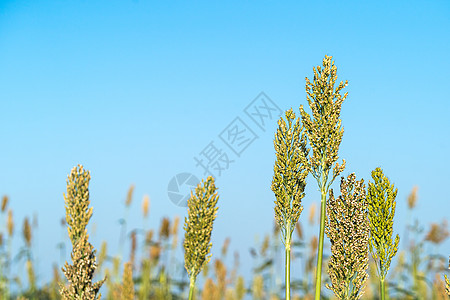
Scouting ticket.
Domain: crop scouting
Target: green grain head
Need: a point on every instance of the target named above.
(324, 130)
(381, 200)
(347, 228)
(77, 203)
(81, 272)
(198, 226)
(290, 172)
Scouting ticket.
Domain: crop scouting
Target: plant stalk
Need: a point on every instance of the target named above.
(191, 287)
(321, 238)
(288, 262)
(382, 289)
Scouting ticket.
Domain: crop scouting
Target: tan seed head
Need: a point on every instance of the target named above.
(129, 196)
(145, 205)
(4, 203)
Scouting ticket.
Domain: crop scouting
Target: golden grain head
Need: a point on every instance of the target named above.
(210, 290)
(205, 271)
(258, 287)
(164, 229)
(314, 244)
(102, 254)
(412, 198)
(116, 265)
(30, 273)
(225, 246)
(4, 203)
(299, 230)
(220, 270)
(265, 245)
(230, 294)
(129, 196)
(133, 246)
(176, 223)
(240, 288)
(26, 231)
(312, 213)
(438, 287)
(155, 252)
(438, 233)
(276, 228)
(149, 237)
(127, 292)
(145, 205)
(10, 223)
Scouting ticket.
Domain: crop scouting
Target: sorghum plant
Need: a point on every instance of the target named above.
(347, 228)
(288, 184)
(78, 213)
(324, 133)
(381, 200)
(127, 288)
(198, 227)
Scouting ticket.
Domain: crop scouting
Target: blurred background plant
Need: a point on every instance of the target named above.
(158, 271)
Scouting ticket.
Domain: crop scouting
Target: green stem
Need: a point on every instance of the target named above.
(191, 287)
(382, 289)
(288, 261)
(321, 237)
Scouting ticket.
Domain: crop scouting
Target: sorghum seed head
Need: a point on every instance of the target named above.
(438, 233)
(412, 198)
(27, 232)
(145, 205)
(198, 226)
(10, 223)
(4, 203)
(129, 196)
(164, 230)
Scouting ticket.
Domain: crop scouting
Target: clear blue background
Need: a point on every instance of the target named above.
(133, 90)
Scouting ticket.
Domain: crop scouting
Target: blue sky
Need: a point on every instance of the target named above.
(134, 90)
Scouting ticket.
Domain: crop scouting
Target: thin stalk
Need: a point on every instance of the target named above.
(191, 287)
(382, 289)
(288, 261)
(321, 239)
